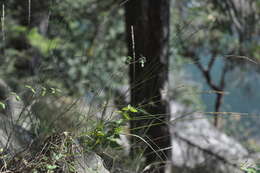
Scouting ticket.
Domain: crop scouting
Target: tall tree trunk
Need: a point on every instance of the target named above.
(149, 39)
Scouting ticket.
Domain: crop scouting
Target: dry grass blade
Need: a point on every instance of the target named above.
(241, 57)
(133, 135)
(3, 22)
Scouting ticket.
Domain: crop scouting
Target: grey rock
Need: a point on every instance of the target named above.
(198, 147)
(13, 137)
(15, 124)
(15, 110)
(90, 163)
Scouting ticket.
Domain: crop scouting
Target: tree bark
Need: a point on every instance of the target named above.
(149, 39)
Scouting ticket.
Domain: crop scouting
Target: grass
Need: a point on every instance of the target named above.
(63, 126)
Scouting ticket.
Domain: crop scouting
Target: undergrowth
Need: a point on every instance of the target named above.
(63, 132)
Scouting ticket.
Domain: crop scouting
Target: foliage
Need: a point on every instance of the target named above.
(80, 50)
(205, 34)
(56, 153)
(107, 133)
(183, 89)
(3, 106)
(249, 169)
(70, 42)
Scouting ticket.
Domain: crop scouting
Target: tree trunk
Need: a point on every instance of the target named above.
(147, 28)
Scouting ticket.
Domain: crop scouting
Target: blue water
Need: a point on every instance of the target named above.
(243, 86)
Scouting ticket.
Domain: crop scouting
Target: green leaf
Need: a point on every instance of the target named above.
(132, 109)
(51, 167)
(42, 43)
(128, 59)
(119, 122)
(113, 142)
(31, 88)
(43, 91)
(58, 90)
(16, 96)
(2, 105)
(100, 133)
(126, 116)
(249, 170)
(125, 108)
(57, 156)
(119, 112)
(55, 90)
(142, 61)
(118, 130)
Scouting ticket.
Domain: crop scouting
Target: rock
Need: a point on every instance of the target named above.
(81, 160)
(59, 150)
(198, 147)
(15, 110)
(4, 90)
(89, 162)
(13, 137)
